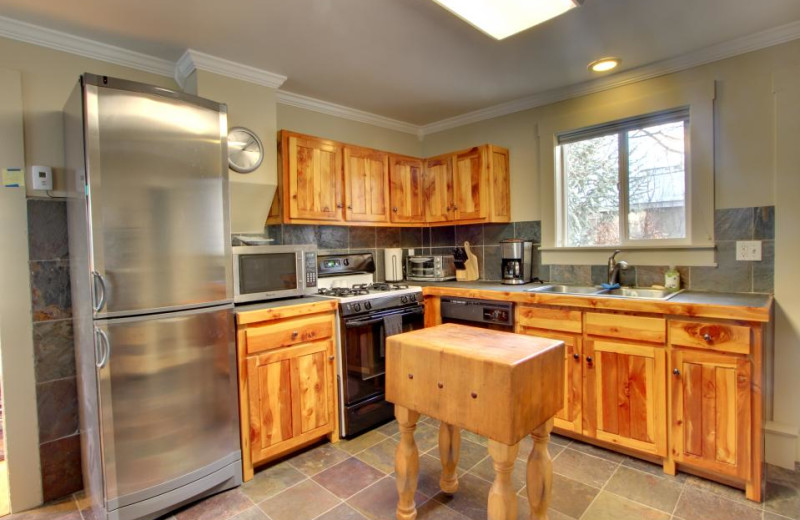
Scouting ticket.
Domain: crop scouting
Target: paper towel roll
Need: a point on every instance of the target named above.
(393, 264)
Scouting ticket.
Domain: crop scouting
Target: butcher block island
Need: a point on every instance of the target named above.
(499, 385)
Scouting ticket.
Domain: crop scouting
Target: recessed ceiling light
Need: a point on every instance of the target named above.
(604, 64)
(502, 18)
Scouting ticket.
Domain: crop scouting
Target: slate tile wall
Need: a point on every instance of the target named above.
(54, 353)
(756, 223)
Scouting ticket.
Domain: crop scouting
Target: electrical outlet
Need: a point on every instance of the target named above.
(748, 250)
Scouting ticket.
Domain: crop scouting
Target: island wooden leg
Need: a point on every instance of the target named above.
(449, 449)
(502, 499)
(540, 472)
(406, 463)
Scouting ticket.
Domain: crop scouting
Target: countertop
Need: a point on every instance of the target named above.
(276, 304)
(745, 306)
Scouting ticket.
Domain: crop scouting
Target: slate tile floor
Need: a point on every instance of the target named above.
(353, 480)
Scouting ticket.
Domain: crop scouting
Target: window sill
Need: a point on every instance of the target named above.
(682, 255)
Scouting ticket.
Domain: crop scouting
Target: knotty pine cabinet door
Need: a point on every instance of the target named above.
(624, 394)
(470, 185)
(438, 189)
(710, 404)
(291, 392)
(406, 190)
(366, 181)
(499, 184)
(312, 177)
(569, 417)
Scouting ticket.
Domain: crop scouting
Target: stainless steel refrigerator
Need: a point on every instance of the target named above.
(151, 295)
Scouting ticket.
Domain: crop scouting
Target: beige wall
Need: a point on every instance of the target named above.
(347, 131)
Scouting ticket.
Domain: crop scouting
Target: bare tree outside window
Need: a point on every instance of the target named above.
(638, 172)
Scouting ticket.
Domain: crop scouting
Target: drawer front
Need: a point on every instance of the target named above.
(563, 320)
(288, 333)
(623, 326)
(720, 337)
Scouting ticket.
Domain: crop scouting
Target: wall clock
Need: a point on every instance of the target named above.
(245, 151)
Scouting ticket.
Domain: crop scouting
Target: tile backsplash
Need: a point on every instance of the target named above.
(754, 223)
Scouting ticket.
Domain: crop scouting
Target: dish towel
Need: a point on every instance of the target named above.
(393, 324)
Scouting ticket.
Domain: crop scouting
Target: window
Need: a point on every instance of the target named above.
(624, 183)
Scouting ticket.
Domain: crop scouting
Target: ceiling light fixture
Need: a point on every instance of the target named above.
(502, 18)
(604, 64)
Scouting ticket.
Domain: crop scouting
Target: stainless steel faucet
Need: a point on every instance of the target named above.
(614, 267)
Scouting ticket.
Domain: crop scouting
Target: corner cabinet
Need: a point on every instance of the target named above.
(326, 182)
(287, 387)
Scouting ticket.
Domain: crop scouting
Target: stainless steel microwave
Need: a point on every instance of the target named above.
(271, 272)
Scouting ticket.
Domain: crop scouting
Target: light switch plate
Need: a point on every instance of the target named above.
(748, 250)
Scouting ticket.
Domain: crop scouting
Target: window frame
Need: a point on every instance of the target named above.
(620, 128)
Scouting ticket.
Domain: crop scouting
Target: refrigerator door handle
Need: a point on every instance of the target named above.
(102, 347)
(100, 300)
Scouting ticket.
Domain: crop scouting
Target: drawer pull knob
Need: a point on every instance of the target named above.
(474, 395)
(707, 337)
(589, 359)
(576, 356)
(411, 376)
(676, 371)
(295, 334)
(330, 358)
(440, 384)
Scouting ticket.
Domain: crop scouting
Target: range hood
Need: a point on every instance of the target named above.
(250, 203)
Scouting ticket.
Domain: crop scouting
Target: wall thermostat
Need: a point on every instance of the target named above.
(41, 177)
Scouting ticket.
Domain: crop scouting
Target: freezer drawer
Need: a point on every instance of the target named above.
(158, 200)
(168, 405)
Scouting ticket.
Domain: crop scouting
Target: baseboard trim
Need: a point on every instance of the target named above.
(781, 442)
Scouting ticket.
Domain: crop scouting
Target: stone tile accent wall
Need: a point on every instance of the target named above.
(54, 353)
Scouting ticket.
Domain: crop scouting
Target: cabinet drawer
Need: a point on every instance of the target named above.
(721, 337)
(563, 320)
(639, 328)
(287, 333)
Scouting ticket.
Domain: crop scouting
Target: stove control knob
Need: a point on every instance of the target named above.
(367, 305)
(404, 299)
(356, 307)
(346, 261)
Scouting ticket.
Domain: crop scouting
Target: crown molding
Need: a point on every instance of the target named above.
(729, 49)
(61, 41)
(195, 60)
(332, 109)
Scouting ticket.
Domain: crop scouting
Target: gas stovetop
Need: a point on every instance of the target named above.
(362, 289)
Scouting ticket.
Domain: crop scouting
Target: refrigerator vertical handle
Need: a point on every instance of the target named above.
(102, 347)
(99, 300)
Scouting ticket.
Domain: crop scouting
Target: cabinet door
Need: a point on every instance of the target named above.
(366, 181)
(314, 178)
(569, 417)
(438, 189)
(710, 402)
(405, 190)
(499, 184)
(290, 396)
(470, 185)
(625, 395)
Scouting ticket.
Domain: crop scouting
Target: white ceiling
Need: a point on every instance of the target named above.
(408, 60)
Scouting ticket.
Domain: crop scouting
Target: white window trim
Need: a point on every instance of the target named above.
(625, 103)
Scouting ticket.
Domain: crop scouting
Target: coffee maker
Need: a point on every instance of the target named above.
(517, 263)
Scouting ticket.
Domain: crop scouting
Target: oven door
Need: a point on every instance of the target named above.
(364, 349)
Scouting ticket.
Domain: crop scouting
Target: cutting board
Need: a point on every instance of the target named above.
(471, 270)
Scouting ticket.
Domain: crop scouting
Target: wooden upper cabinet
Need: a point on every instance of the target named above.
(312, 178)
(438, 188)
(499, 184)
(710, 401)
(366, 181)
(406, 190)
(470, 186)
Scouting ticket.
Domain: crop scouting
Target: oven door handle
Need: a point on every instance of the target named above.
(374, 321)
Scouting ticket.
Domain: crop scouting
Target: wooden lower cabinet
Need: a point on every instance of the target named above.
(287, 393)
(710, 402)
(625, 397)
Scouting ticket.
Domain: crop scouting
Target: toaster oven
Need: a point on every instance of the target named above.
(430, 268)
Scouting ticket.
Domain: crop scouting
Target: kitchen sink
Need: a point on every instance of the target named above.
(567, 289)
(644, 293)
